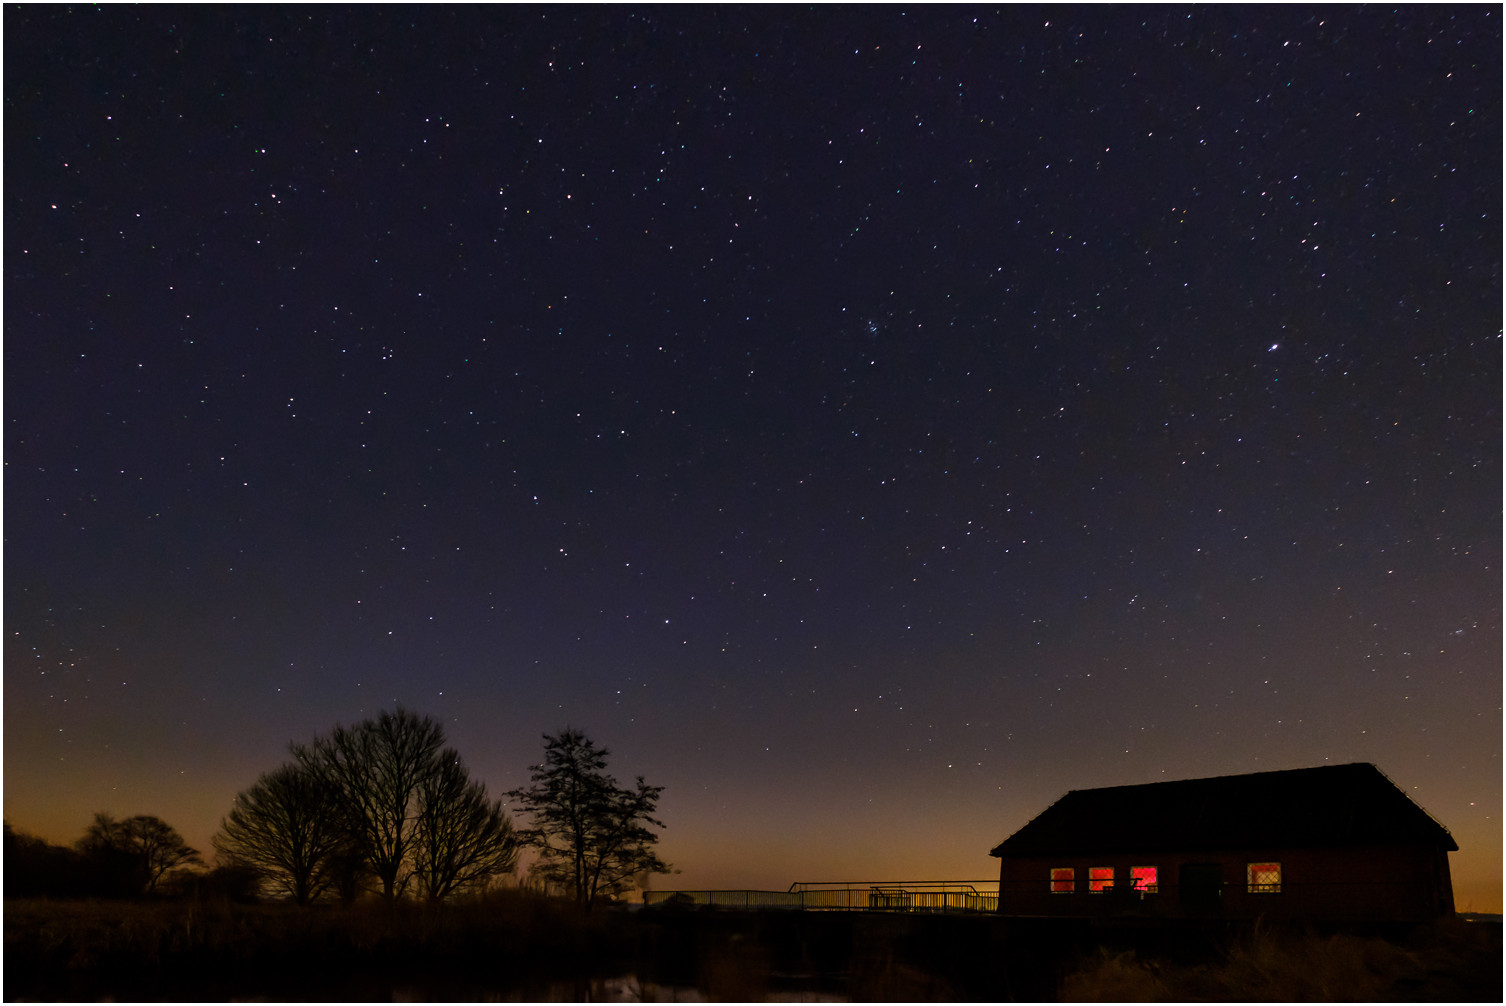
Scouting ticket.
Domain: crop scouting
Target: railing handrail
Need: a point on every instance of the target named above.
(923, 896)
(837, 885)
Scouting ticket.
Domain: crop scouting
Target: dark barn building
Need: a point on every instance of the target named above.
(1334, 843)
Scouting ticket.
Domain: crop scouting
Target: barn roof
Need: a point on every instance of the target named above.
(1333, 805)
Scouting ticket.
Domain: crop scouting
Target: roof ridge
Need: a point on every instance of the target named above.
(1234, 775)
(1349, 804)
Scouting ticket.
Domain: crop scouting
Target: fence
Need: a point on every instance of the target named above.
(845, 896)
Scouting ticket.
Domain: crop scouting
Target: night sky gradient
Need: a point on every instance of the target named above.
(869, 423)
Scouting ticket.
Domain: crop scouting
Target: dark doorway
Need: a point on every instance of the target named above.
(1202, 887)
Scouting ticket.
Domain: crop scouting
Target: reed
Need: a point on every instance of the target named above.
(1451, 960)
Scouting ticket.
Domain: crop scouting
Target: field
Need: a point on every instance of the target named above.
(512, 946)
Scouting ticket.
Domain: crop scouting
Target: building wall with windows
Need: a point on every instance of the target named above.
(1335, 842)
(1396, 883)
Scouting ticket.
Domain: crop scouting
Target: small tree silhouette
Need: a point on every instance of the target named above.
(592, 835)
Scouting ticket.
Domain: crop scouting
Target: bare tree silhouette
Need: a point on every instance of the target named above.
(402, 811)
(291, 828)
(377, 768)
(462, 839)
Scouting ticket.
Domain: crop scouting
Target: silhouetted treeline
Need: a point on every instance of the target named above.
(35, 867)
(114, 859)
(382, 807)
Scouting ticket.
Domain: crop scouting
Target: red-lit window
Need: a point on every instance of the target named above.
(1263, 878)
(1144, 878)
(1063, 879)
(1100, 879)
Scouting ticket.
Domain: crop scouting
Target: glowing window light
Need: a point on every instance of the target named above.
(1144, 878)
(1063, 879)
(1263, 878)
(1100, 879)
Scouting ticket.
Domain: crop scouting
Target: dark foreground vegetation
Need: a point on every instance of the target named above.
(1451, 960)
(514, 945)
(509, 942)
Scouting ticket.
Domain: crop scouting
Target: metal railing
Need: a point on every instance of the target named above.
(845, 896)
(1314, 899)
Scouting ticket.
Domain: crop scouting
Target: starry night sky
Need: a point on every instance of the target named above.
(868, 423)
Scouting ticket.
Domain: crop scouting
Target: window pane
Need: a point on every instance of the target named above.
(1100, 879)
(1062, 879)
(1145, 878)
(1263, 878)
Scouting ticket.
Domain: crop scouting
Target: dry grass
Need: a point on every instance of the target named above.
(89, 949)
(219, 950)
(1452, 960)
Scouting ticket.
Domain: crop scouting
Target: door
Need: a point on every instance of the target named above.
(1202, 889)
